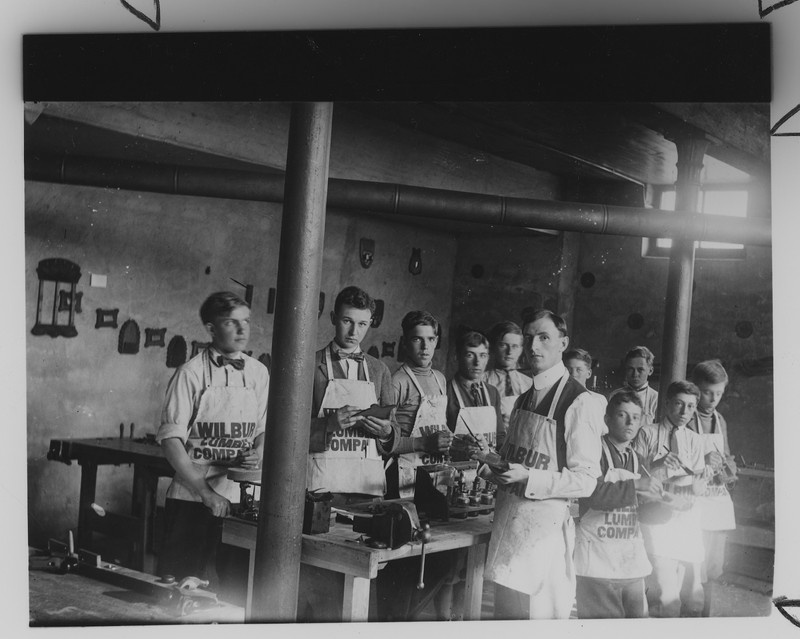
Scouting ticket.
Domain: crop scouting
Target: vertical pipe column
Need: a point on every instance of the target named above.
(283, 476)
(568, 277)
(678, 306)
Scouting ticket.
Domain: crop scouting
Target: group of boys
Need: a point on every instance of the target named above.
(557, 441)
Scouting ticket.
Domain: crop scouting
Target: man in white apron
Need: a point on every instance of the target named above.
(579, 365)
(716, 505)
(610, 558)
(345, 450)
(553, 450)
(638, 367)
(505, 339)
(674, 454)
(213, 418)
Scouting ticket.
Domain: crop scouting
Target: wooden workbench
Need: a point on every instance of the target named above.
(340, 551)
(148, 463)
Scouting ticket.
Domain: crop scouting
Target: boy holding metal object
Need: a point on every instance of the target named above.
(610, 558)
(716, 505)
(213, 417)
(675, 455)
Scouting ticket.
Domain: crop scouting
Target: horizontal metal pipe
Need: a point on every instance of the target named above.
(398, 199)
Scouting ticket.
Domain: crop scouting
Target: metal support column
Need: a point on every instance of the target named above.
(678, 306)
(283, 483)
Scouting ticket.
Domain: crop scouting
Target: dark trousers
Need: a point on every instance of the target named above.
(610, 598)
(192, 547)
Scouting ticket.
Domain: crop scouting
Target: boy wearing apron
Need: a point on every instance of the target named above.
(674, 454)
(345, 450)
(213, 417)
(579, 365)
(553, 451)
(610, 558)
(505, 339)
(716, 505)
(638, 366)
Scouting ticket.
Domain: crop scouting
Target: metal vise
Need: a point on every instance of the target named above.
(391, 522)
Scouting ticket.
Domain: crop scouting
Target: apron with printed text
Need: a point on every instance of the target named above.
(681, 536)
(431, 417)
(351, 462)
(716, 505)
(225, 423)
(609, 543)
(507, 405)
(527, 534)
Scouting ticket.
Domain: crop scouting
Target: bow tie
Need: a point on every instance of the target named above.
(358, 357)
(238, 364)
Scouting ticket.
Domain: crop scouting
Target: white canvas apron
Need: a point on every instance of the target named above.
(431, 417)
(351, 462)
(716, 505)
(681, 537)
(609, 543)
(507, 404)
(477, 420)
(225, 423)
(533, 539)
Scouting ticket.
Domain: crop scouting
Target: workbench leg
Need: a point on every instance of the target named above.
(143, 506)
(473, 590)
(355, 606)
(88, 489)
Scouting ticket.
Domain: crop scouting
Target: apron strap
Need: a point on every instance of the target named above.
(610, 459)
(329, 363)
(561, 384)
(414, 379)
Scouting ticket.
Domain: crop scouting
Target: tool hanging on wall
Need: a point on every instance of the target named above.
(377, 316)
(129, 336)
(248, 291)
(65, 301)
(58, 271)
(154, 336)
(366, 251)
(106, 318)
(176, 352)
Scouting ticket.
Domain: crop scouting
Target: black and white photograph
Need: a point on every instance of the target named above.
(318, 331)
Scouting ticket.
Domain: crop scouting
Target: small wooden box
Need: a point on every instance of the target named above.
(317, 516)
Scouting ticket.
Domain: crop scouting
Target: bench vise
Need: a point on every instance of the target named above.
(391, 523)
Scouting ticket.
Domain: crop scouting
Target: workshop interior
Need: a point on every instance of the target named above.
(136, 211)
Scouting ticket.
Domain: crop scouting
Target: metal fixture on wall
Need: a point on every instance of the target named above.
(366, 251)
(415, 262)
(176, 352)
(377, 316)
(129, 337)
(106, 318)
(248, 291)
(56, 270)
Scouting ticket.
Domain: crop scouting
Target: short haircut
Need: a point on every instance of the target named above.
(559, 322)
(682, 386)
(622, 397)
(220, 304)
(501, 329)
(419, 318)
(355, 297)
(578, 353)
(640, 351)
(470, 339)
(710, 371)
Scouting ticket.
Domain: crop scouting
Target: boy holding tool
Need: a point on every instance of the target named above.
(213, 417)
(675, 455)
(638, 367)
(610, 558)
(716, 505)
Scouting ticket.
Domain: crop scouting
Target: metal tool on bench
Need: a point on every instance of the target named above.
(182, 597)
(389, 524)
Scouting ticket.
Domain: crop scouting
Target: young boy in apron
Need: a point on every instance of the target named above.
(213, 417)
(505, 339)
(579, 365)
(345, 450)
(424, 439)
(610, 558)
(638, 366)
(675, 455)
(553, 450)
(716, 505)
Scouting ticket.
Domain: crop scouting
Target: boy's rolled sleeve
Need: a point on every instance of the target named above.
(582, 429)
(178, 409)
